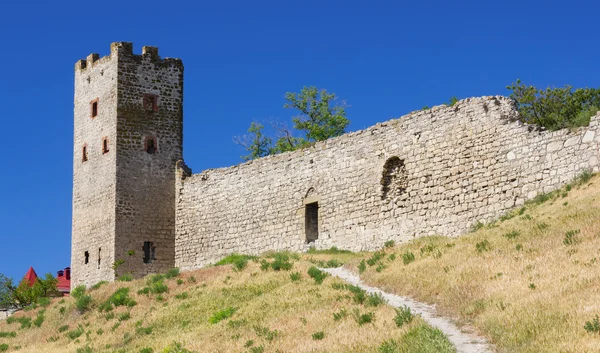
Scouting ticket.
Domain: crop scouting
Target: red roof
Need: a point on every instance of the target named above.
(31, 276)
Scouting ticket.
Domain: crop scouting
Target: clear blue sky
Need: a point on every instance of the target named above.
(385, 58)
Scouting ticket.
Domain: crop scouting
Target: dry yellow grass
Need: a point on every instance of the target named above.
(528, 288)
(272, 312)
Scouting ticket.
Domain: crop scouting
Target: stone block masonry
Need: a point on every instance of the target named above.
(435, 171)
(128, 138)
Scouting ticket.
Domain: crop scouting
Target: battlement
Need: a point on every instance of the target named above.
(125, 49)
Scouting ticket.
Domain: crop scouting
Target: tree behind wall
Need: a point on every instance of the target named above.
(319, 118)
(555, 108)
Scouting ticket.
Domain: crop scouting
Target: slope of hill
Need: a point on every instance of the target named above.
(530, 282)
(263, 306)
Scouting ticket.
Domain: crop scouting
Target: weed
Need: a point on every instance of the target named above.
(377, 255)
(43, 301)
(159, 287)
(566, 203)
(172, 273)
(532, 286)
(408, 257)
(380, 267)
(317, 274)
(266, 333)
(179, 281)
(519, 247)
(144, 330)
(541, 226)
(99, 332)
(389, 244)
(257, 349)
(482, 246)
(176, 347)
(145, 290)
(511, 235)
(583, 178)
(222, 315)
(237, 323)
(73, 334)
(295, 276)
(362, 319)
(52, 339)
(403, 316)
(62, 310)
(155, 278)
(477, 226)
(147, 350)
(571, 237)
(24, 321)
(319, 335)
(11, 334)
(452, 101)
(3, 347)
(191, 279)
(340, 315)
(124, 316)
(39, 320)
(83, 303)
(109, 316)
(375, 299)
(593, 326)
(249, 343)
(128, 277)
(362, 266)
(281, 261)
(264, 265)
(115, 326)
(331, 251)
(98, 285)
(392, 257)
(182, 296)
(86, 349)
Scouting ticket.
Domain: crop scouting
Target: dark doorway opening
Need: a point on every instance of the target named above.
(87, 257)
(311, 224)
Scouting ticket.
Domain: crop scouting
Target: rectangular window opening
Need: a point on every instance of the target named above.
(104, 145)
(149, 252)
(150, 102)
(99, 257)
(150, 145)
(94, 108)
(87, 257)
(311, 222)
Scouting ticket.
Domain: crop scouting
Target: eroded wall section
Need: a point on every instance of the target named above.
(436, 171)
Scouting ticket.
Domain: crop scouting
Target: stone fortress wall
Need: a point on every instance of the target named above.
(436, 171)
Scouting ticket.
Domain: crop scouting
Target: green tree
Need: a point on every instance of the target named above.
(555, 108)
(12, 296)
(319, 118)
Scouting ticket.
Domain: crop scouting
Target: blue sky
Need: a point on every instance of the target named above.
(384, 58)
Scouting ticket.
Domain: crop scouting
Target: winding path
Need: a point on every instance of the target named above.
(464, 342)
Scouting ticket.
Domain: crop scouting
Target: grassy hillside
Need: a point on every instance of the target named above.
(264, 306)
(530, 282)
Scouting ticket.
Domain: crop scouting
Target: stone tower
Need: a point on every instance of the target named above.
(128, 138)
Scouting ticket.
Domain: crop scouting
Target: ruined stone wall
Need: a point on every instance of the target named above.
(435, 171)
